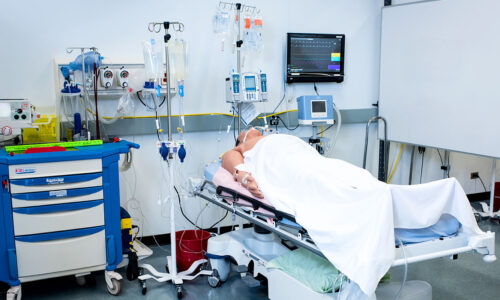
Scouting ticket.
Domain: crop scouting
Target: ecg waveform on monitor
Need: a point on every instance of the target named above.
(315, 55)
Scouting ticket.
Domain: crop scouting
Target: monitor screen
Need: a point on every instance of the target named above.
(318, 106)
(250, 83)
(315, 57)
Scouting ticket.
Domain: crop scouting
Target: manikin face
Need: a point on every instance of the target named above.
(248, 134)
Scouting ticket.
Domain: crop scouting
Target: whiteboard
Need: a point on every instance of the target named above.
(440, 75)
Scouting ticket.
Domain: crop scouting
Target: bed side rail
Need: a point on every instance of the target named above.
(256, 204)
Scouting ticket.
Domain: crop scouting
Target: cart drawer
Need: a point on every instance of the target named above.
(59, 217)
(60, 251)
(40, 184)
(55, 168)
(57, 197)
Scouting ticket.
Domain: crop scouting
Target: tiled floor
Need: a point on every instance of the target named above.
(466, 278)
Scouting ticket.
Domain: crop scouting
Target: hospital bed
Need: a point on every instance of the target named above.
(275, 233)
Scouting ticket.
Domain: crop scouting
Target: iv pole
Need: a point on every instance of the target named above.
(177, 278)
(239, 43)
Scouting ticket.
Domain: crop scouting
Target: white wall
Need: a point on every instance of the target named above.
(461, 164)
(33, 33)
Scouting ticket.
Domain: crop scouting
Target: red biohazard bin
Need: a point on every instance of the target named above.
(496, 205)
(191, 246)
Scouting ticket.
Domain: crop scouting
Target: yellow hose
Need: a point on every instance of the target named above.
(191, 115)
(278, 113)
(396, 164)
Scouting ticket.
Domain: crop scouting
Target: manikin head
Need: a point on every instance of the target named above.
(247, 134)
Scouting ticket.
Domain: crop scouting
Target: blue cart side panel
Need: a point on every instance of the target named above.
(112, 210)
(8, 261)
(110, 154)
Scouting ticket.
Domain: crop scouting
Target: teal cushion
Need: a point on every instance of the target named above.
(312, 270)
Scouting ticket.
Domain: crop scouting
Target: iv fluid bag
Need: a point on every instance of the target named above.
(153, 59)
(178, 59)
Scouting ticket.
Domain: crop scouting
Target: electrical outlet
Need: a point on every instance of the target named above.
(474, 175)
(274, 121)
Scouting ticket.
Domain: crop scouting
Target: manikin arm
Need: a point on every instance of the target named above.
(230, 160)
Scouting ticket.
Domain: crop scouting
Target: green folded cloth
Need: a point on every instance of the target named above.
(312, 270)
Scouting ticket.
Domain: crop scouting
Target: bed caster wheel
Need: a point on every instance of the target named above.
(142, 284)
(116, 288)
(179, 291)
(14, 293)
(214, 279)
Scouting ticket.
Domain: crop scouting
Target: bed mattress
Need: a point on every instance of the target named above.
(445, 227)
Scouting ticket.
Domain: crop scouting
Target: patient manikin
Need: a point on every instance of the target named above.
(349, 214)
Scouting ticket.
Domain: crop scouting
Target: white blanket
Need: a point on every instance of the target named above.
(349, 214)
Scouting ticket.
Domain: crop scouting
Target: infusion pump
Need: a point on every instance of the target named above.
(246, 87)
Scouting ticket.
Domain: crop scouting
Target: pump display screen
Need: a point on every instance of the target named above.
(250, 83)
(318, 106)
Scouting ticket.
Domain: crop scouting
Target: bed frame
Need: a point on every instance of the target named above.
(276, 222)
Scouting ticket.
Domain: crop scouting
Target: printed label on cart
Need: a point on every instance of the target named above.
(57, 180)
(62, 193)
(25, 170)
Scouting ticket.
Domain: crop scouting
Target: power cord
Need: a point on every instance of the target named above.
(324, 130)
(222, 219)
(189, 220)
(316, 89)
(140, 99)
(182, 210)
(284, 124)
(421, 150)
(443, 167)
(484, 186)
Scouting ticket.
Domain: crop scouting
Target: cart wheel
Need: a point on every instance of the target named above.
(80, 280)
(13, 297)
(117, 287)
(144, 288)
(14, 293)
(179, 291)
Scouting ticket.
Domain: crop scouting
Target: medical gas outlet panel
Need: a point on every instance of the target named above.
(15, 111)
(246, 87)
(14, 114)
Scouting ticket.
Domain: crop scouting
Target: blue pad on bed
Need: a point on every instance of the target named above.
(210, 170)
(446, 226)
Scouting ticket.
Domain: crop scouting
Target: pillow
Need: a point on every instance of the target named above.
(312, 270)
